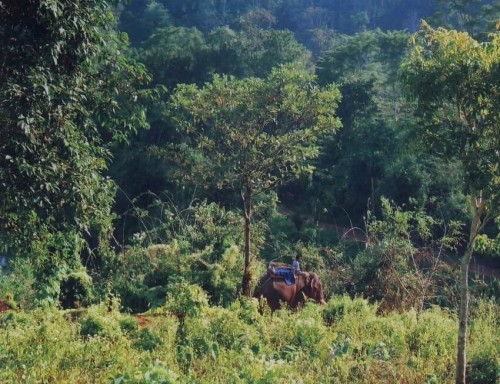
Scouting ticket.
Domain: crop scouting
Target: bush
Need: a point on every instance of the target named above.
(128, 324)
(432, 340)
(160, 373)
(484, 353)
(19, 283)
(99, 323)
(76, 290)
(186, 300)
(147, 340)
(483, 369)
(7, 318)
(340, 306)
(204, 251)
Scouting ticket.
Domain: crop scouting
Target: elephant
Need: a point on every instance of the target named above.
(275, 290)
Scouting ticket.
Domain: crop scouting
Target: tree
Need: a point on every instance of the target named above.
(253, 51)
(455, 82)
(375, 135)
(252, 135)
(66, 93)
(175, 55)
(268, 49)
(477, 17)
(140, 19)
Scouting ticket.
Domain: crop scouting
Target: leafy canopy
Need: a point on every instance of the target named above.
(455, 81)
(66, 92)
(253, 132)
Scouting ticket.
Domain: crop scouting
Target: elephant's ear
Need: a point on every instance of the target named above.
(313, 282)
(309, 278)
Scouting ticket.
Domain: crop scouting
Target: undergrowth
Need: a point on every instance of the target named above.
(346, 341)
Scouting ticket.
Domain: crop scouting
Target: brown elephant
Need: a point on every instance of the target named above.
(275, 290)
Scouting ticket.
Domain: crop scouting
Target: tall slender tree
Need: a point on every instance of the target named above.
(252, 135)
(455, 82)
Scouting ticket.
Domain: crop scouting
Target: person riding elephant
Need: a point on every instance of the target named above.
(296, 264)
(276, 290)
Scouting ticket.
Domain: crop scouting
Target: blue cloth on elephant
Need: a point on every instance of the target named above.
(285, 273)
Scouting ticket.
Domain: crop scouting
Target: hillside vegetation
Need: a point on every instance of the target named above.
(156, 156)
(346, 341)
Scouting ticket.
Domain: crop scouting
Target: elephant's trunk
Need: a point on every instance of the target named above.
(322, 302)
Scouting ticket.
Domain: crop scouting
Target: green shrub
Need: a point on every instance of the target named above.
(484, 352)
(15, 318)
(340, 306)
(240, 345)
(432, 341)
(76, 290)
(157, 373)
(19, 283)
(128, 324)
(139, 275)
(9, 301)
(96, 323)
(310, 334)
(7, 318)
(201, 244)
(147, 340)
(248, 309)
(186, 299)
(160, 373)
(483, 369)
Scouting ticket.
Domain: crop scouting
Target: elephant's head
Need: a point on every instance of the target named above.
(312, 287)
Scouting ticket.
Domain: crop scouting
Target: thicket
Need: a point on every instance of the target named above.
(118, 270)
(190, 341)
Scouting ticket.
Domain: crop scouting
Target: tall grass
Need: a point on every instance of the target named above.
(345, 341)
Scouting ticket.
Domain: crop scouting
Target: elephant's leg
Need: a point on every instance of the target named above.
(284, 293)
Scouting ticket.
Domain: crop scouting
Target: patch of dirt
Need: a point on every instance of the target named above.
(355, 234)
(142, 320)
(4, 307)
(476, 266)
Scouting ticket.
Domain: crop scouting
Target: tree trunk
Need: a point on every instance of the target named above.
(463, 314)
(247, 212)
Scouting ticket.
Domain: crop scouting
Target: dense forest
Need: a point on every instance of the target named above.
(159, 158)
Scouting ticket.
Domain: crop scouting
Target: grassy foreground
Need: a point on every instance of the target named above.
(345, 341)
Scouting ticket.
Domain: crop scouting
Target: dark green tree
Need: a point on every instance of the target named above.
(141, 18)
(252, 135)
(254, 51)
(66, 92)
(477, 17)
(175, 55)
(353, 171)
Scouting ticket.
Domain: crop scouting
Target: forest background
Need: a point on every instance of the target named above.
(157, 155)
